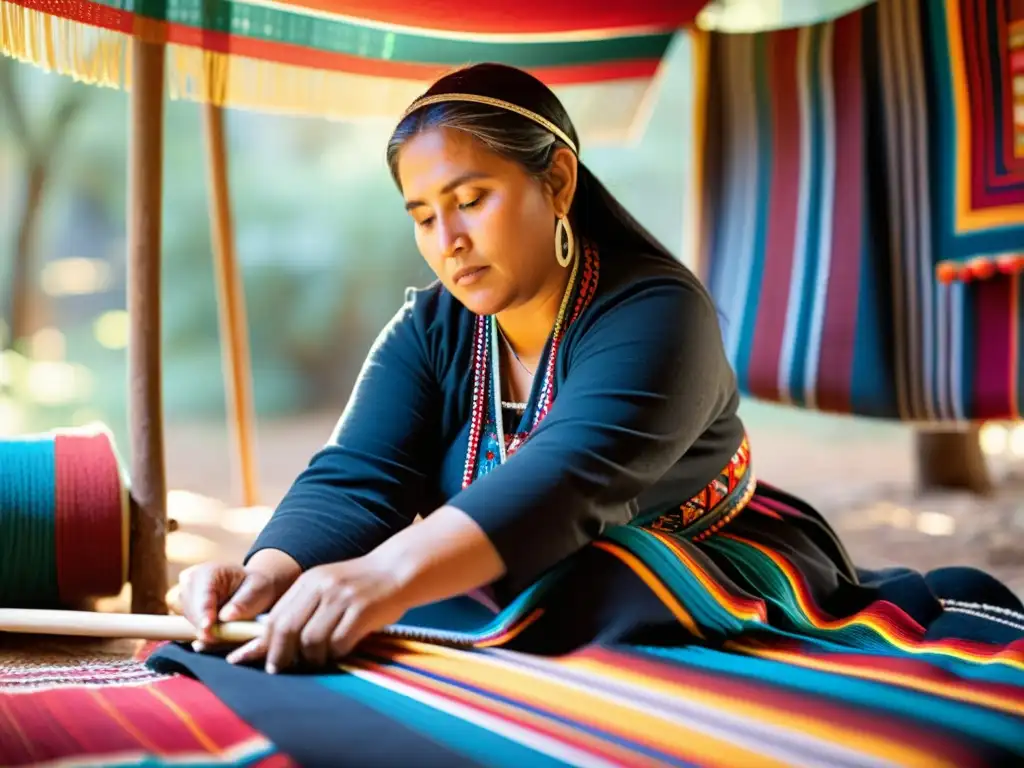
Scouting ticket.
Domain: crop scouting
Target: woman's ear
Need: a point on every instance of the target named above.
(562, 180)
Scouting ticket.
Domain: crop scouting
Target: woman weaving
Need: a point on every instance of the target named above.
(563, 381)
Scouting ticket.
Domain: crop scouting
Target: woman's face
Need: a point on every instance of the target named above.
(483, 224)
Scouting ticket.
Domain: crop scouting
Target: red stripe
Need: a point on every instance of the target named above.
(520, 17)
(993, 352)
(989, 189)
(784, 195)
(88, 509)
(95, 15)
(1008, 62)
(839, 334)
(77, 722)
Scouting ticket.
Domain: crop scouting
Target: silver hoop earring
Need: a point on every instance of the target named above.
(564, 253)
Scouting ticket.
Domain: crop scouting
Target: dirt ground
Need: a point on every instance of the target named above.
(859, 474)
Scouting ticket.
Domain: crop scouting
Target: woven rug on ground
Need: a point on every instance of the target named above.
(89, 704)
(650, 649)
(828, 164)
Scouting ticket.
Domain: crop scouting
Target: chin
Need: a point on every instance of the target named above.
(481, 302)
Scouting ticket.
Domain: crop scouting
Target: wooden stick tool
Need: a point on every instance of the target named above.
(119, 625)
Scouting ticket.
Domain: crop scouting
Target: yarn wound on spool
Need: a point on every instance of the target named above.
(64, 519)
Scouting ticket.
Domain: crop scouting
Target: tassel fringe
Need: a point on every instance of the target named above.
(94, 54)
(102, 57)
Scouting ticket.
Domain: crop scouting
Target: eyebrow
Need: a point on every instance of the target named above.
(456, 182)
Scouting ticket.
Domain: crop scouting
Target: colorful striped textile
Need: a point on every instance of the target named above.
(357, 59)
(975, 53)
(759, 646)
(824, 225)
(66, 708)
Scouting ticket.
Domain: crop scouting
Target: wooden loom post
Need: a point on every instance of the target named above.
(231, 306)
(148, 570)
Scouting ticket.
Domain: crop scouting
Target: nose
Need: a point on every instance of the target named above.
(452, 238)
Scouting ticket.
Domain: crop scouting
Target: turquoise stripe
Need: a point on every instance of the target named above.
(423, 623)
(707, 612)
(474, 741)
(801, 339)
(152, 761)
(28, 567)
(333, 35)
(995, 727)
(764, 109)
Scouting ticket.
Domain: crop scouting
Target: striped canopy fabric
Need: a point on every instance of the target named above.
(830, 171)
(357, 59)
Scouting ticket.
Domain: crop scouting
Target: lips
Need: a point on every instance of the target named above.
(469, 274)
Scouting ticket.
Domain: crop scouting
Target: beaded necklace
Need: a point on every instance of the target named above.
(486, 351)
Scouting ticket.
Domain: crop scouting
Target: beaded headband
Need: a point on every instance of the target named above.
(492, 102)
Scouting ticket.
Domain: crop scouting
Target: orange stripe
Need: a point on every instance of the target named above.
(968, 218)
(875, 745)
(742, 608)
(190, 724)
(953, 690)
(523, 718)
(817, 619)
(654, 583)
(511, 633)
(616, 716)
(15, 726)
(116, 716)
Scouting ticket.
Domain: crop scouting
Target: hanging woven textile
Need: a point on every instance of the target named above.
(828, 224)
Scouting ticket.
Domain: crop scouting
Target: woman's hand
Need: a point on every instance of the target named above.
(214, 592)
(325, 613)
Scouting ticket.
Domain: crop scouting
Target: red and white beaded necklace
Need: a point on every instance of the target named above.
(486, 336)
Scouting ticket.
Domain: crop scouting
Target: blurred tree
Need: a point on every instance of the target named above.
(40, 147)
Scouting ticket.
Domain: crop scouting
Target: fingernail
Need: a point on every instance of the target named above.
(228, 613)
(198, 646)
(271, 669)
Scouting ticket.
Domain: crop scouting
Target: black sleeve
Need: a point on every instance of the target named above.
(645, 380)
(368, 482)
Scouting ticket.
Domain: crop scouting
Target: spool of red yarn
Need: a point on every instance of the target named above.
(64, 519)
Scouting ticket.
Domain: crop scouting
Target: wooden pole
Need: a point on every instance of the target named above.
(148, 571)
(118, 625)
(234, 332)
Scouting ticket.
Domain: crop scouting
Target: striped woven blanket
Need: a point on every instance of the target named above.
(747, 649)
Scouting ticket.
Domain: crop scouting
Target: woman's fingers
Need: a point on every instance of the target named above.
(316, 637)
(199, 599)
(253, 651)
(285, 624)
(254, 595)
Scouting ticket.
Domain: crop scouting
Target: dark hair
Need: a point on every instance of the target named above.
(595, 213)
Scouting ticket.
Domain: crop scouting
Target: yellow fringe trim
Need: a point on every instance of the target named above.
(102, 57)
